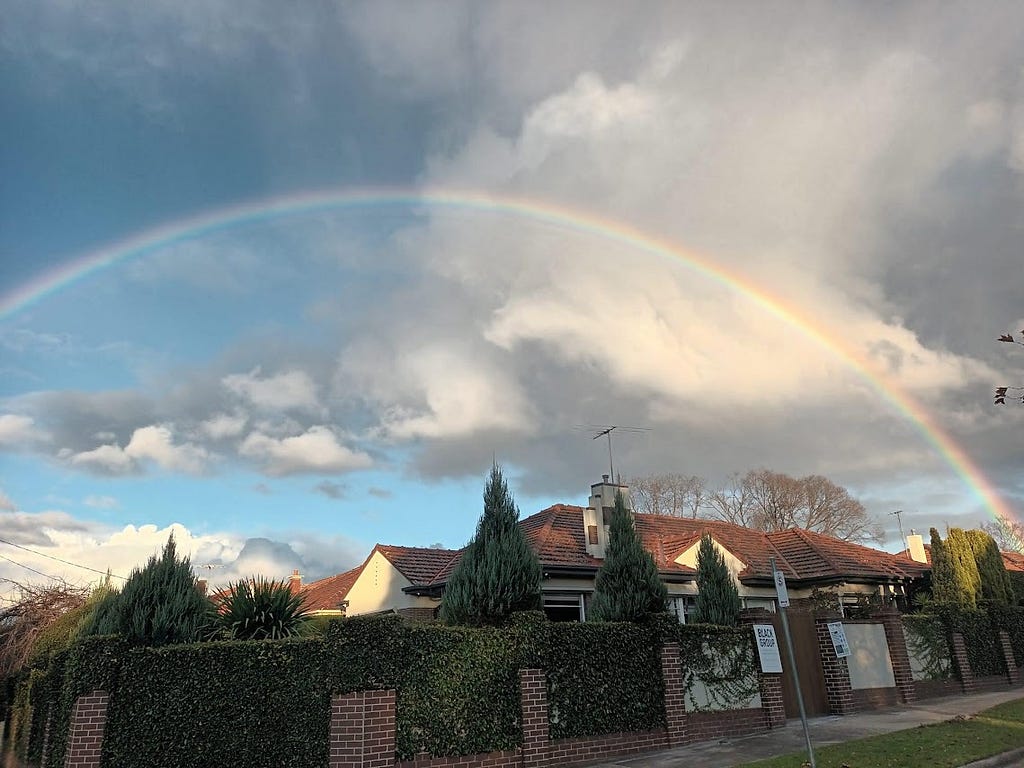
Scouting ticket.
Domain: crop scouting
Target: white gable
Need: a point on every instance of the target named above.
(733, 563)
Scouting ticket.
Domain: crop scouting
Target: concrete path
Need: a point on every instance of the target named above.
(726, 753)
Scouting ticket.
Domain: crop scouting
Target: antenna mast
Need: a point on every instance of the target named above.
(605, 430)
(899, 521)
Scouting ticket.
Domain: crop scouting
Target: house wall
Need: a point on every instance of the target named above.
(379, 588)
(733, 563)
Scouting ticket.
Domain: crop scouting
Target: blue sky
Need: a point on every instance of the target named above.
(335, 379)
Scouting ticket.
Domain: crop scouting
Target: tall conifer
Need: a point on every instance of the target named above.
(966, 580)
(718, 600)
(498, 573)
(944, 588)
(995, 581)
(627, 586)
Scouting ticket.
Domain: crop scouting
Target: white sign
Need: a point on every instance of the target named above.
(780, 588)
(768, 648)
(835, 628)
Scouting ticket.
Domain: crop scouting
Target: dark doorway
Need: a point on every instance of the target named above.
(808, 666)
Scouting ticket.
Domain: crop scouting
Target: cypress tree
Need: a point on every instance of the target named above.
(627, 587)
(995, 581)
(966, 580)
(718, 600)
(498, 573)
(943, 585)
(158, 605)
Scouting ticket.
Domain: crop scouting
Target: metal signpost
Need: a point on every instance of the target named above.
(783, 593)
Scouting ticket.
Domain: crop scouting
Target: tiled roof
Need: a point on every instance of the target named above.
(1014, 561)
(815, 555)
(328, 594)
(418, 564)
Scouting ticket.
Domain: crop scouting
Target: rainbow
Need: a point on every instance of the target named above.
(564, 218)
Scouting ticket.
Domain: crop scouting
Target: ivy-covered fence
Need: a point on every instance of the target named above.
(927, 647)
(267, 703)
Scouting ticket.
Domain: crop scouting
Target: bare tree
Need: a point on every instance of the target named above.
(24, 621)
(733, 503)
(1009, 536)
(672, 494)
(1003, 392)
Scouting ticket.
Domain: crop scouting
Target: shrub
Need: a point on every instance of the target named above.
(158, 605)
(718, 600)
(498, 573)
(627, 586)
(259, 609)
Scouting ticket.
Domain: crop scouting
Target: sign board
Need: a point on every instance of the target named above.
(780, 589)
(768, 648)
(835, 628)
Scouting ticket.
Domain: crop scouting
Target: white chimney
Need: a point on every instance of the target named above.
(598, 514)
(915, 548)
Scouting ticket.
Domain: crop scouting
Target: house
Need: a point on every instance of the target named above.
(570, 542)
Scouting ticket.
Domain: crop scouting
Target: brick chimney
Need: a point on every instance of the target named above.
(295, 582)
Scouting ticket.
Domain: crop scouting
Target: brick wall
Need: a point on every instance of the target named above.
(1012, 671)
(837, 673)
(896, 639)
(930, 689)
(719, 724)
(418, 614)
(590, 748)
(85, 739)
(675, 695)
(533, 697)
(963, 666)
(362, 730)
(876, 698)
(508, 759)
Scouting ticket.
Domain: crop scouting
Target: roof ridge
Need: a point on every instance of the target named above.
(805, 534)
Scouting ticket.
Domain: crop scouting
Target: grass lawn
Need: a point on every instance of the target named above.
(943, 745)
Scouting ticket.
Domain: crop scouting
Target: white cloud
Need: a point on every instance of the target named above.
(17, 430)
(282, 391)
(316, 450)
(153, 443)
(224, 425)
(6, 505)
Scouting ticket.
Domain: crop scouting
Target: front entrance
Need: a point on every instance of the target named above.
(808, 665)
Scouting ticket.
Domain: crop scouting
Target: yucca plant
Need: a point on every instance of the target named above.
(261, 609)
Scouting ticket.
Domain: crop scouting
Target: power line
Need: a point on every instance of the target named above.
(61, 560)
(29, 568)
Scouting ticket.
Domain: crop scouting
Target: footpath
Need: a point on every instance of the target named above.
(726, 753)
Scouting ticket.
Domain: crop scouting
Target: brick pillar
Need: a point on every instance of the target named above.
(675, 701)
(769, 683)
(1012, 670)
(533, 701)
(85, 739)
(837, 672)
(963, 666)
(892, 621)
(362, 731)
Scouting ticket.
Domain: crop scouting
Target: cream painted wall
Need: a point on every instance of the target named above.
(733, 563)
(379, 588)
(869, 662)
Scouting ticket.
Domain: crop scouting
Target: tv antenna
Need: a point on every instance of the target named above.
(899, 521)
(605, 430)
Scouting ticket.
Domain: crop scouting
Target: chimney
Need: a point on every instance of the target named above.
(295, 582)
(915, 548)
(598, 514)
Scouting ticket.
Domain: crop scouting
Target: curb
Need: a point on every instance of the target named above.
(1013, 757)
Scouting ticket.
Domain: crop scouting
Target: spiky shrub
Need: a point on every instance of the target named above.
(718, 600)
(498, 573)
(158, 605)
(627, 587)
(260, 609)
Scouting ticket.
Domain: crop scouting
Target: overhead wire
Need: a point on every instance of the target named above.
(59, 560)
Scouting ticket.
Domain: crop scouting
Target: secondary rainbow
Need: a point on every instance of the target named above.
(312, 202)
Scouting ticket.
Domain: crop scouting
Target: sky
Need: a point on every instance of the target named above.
(287, 282)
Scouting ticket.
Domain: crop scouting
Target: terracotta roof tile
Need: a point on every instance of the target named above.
(328, 594)
(1014, 561)
(824, 556)
(418, 564)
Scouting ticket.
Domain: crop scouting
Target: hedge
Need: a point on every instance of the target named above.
(979, 633)
(722, 662)
(928, 645)
(1011, 619)
(603, 678)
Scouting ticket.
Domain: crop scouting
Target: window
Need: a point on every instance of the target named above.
(682, 607)
(564, 606)
(768, 603)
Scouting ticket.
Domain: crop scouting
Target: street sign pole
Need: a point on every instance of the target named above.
(783, 593)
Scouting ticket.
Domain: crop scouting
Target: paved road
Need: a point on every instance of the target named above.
(824, 730)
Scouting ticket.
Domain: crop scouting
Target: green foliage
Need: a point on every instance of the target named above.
(1011, 619)
(944, 587)
(983, 651)
(627, 586)
(603, 678)
(994, 580)
(498, 573)
(159, 604)
(965, 570)
(719, 666)
(928, 647)
(260, 609)
(65, 630)
(718, 600)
